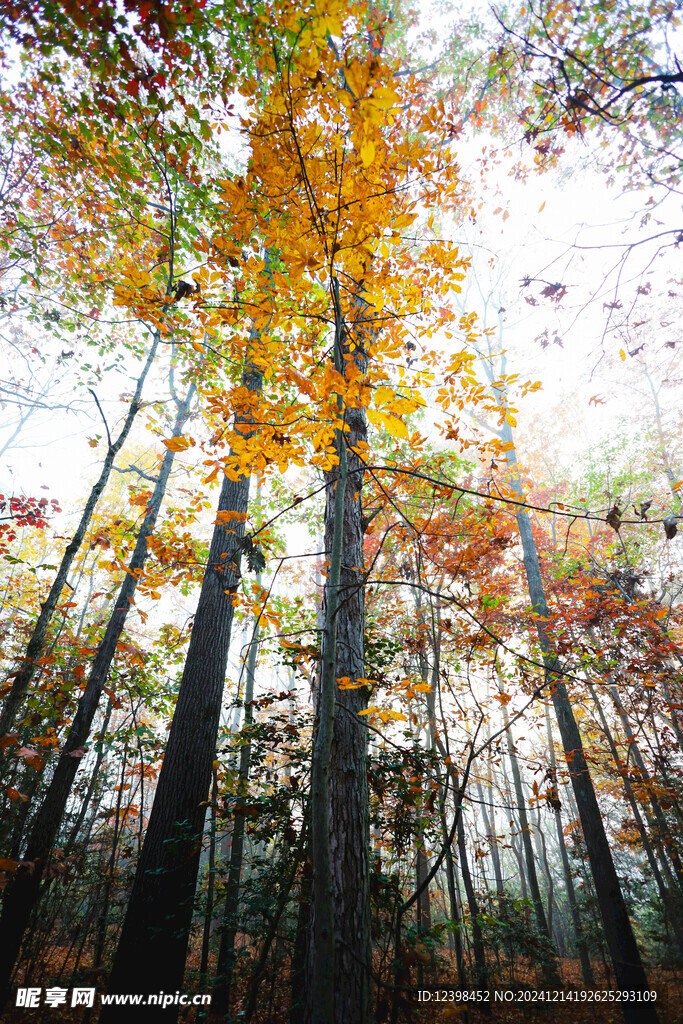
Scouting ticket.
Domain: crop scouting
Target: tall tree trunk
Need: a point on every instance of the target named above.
(324, 937)
(24, 890)
(343, 657)
(159, 911)
(23, 677)
(628, 966)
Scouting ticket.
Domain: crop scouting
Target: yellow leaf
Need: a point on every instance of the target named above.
(384, 394)
(367, 152)
(384, 97)
(385, 421)
(404, 220)
(137, 278)
(355, 78)
(622, 354)
(179, 444)
(422, 687)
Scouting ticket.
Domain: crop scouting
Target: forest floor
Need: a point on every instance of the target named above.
(519, 1002)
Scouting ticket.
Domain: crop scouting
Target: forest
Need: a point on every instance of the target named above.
(341, 614)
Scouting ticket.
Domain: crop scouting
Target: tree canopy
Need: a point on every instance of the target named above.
(341, 511)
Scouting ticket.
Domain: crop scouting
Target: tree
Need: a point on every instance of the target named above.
(25, 888)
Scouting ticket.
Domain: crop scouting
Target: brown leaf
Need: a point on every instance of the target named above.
(670, 527)
(613, 517)
(642, 511)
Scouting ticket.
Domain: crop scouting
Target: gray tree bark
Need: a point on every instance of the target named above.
(349, 829)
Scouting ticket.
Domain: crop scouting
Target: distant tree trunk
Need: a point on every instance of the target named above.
(582, 948)
(456, 920)
(493, 843)
(542, 856)
(298, 968)
(424, 910)
(520, 867)
(551, 968)
(23, 677)
(220, 1003)
(210, 888)
(640, 825)
(628, 966)
(475, 924)
(104, 898)
(24, 890)
(634, 751)
(160, 908)
(85, 804)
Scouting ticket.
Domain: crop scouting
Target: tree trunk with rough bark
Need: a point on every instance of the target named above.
(160, 907)
(349, 828)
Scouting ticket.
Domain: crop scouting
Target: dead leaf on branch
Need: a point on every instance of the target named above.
(670, 527)
(613, 517)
